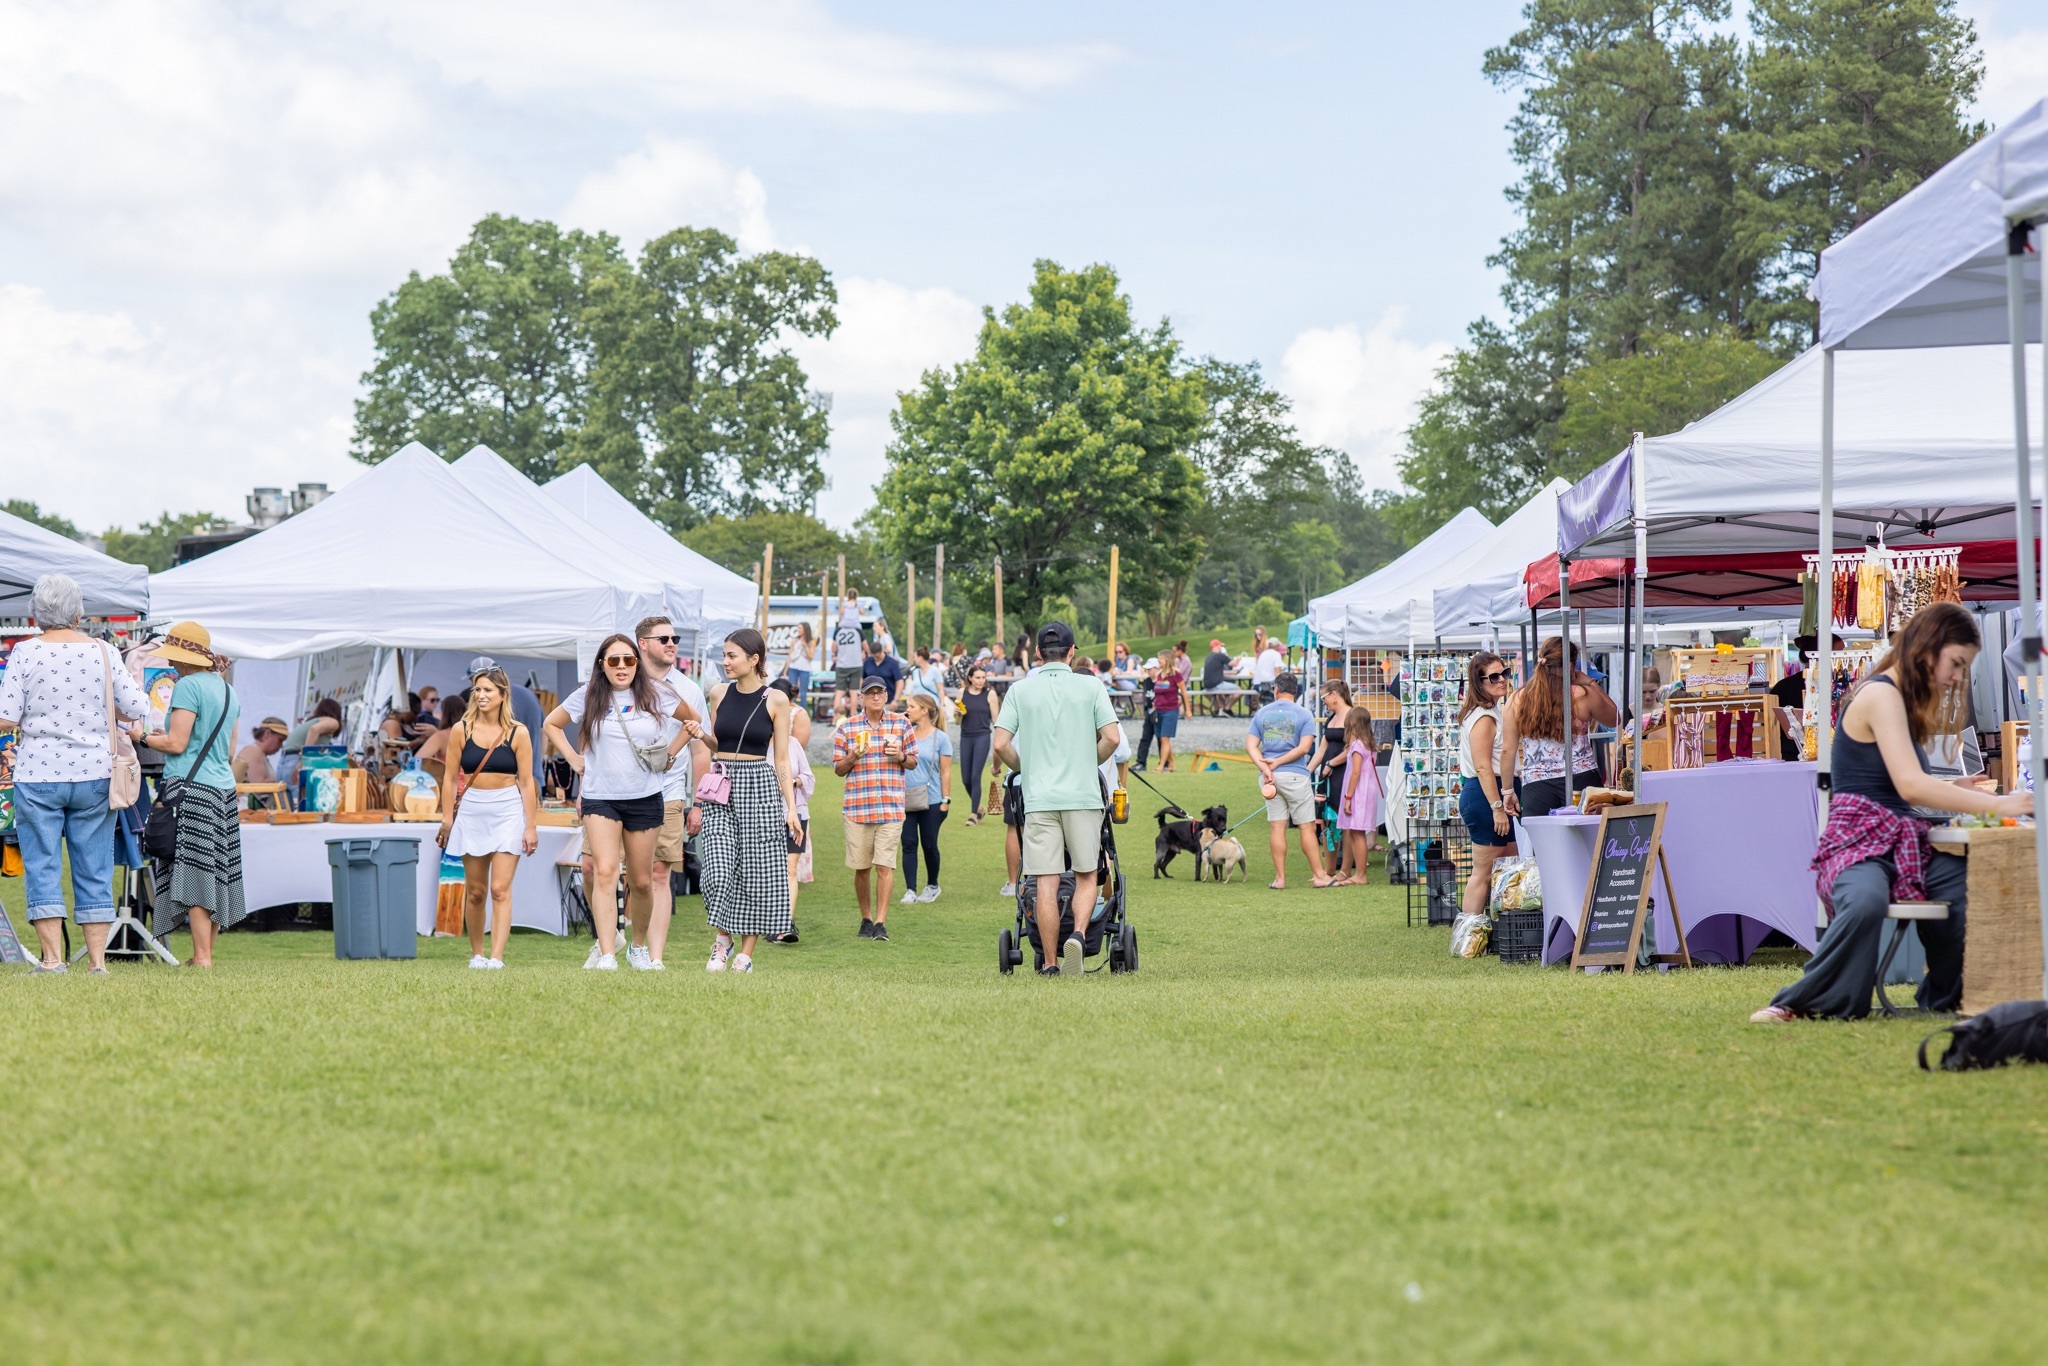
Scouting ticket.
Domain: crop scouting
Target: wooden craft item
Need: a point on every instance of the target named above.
(2002, 932)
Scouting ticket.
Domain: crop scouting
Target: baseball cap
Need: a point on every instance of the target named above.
(1215, 644)
(875, 683)
(1055, 635)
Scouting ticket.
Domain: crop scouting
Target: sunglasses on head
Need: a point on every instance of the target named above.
(662, 640)
(620, 661)
(1496, 676)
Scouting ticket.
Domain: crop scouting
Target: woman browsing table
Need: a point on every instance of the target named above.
(1533, 749)
(491, 812)
(1481, 739)
(1326, 767)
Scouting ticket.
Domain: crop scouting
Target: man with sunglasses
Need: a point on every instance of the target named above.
(680, 819)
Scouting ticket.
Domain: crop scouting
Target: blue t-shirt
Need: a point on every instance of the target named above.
(1280, 726)
(926, 770)
(205, 695)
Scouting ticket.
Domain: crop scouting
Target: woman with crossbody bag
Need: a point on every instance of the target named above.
(201, 879)
(62, 689)
(493, 809)
(622, 752)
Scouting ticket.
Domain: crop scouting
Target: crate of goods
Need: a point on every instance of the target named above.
(1518, 936)
(1446, 893)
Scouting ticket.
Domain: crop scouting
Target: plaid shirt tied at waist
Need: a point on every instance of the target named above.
(1860, 829)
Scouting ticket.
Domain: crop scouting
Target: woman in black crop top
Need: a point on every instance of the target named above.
(748, 834)
(1873, 841)
(979, 708)
(490, 806)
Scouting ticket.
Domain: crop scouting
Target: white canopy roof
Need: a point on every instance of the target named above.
(730, 600)
(1923, 449)
(1379, 609)
(407, 555)
(1525, 534)
(550, 523)
(1930, 270)
(111, 587)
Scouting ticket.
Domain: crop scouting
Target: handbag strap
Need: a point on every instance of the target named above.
(107, 661)
(215, 735)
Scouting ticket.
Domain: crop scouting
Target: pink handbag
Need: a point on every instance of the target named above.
(715, 787)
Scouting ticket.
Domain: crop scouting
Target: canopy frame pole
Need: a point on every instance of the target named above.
(1564, 664)
(1639, 478)
(2023, 518)
(1824, 729)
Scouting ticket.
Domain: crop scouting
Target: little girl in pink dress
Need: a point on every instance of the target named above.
(1358, 805)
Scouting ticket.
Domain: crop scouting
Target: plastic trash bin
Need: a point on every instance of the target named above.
(376, 889)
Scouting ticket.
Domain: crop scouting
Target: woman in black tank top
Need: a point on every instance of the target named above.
(490, 803)
(979, 708)
(751, 826)
(1873, 843)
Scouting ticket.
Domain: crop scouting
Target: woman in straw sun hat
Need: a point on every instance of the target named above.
(202, 880)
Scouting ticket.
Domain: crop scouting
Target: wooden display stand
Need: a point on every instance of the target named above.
(2002, 933)
(1701, 669)
(1659, 744)
(2009, 736)
(1629, 846)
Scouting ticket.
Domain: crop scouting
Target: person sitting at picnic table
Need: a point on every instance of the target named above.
(1266, 668)
(1215, 666)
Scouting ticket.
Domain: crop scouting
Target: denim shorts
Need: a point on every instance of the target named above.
(49, 816)
(1165, 724)
(1478, 814)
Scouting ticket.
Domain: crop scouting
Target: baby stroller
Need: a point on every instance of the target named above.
(1107, 927)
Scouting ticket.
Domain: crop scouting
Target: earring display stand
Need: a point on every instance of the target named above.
(129, 936)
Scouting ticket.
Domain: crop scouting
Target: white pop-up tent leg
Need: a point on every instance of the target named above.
(1564, 664)
(2023, 517)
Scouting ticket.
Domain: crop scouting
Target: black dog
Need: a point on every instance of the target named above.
(1183, 834)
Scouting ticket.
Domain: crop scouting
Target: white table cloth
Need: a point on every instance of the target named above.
(286, 864)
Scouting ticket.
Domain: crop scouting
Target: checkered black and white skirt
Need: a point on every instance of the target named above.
(744, 850)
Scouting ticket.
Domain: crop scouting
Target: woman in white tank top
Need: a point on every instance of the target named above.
(1487, 681)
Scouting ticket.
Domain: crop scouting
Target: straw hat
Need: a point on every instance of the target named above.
(187, 643)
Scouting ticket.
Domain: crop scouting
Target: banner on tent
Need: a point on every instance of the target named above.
(343, 675)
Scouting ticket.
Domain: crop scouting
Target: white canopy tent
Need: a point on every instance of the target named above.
(551, 524)
(406, 556)
(110, 587)
(1391, 606)
(730, 600)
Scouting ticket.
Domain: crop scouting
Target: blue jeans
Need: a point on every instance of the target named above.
(47, 816)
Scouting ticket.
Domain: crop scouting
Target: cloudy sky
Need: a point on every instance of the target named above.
(200, 201)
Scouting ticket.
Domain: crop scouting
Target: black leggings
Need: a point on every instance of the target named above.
(921, 827)
(974, 752)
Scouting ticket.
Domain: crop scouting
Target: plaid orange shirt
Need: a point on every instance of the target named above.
(874, 787)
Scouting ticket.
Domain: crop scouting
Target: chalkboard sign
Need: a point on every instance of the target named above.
(10, 946)
(1626, 855)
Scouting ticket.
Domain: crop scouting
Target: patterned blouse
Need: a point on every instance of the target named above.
(57, 693)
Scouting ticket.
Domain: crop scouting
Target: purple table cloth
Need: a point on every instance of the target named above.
(1563, 849)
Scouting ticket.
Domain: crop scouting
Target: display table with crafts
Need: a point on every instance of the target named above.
(2002, 934)
(286, 864)
(1738, 844)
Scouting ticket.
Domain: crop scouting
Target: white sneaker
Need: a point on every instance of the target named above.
(721, 949)
(477, 960)
(742, 963)
(495, 964)
(909, 898)
(591, 960)
(656, 965)
(1071, 955)
(1009, 889)
(930, 893)
(636, 957)
(606, 962)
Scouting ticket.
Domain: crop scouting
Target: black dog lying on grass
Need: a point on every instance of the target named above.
(1183, 834)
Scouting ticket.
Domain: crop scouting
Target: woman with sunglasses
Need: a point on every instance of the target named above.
(619, 751)
(1326, 769)
(491, 820)
(749, 827)
(1487, 683)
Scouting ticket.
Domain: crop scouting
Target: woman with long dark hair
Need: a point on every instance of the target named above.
(1875, 850)
(1326, 767)
(491, 811)
(749, 830)
(1481, 738)
(620, 753)
(979, 708)
(1533, 746)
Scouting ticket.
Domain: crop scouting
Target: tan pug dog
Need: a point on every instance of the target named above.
(1224, 855)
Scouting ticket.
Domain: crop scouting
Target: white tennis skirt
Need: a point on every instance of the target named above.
(489, 822)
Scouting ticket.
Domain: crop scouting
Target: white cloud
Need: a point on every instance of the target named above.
(888, 336)
(1358, 390)
(2015, 73)
(669, 183)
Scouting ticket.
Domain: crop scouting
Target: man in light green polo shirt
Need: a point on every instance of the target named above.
(1055, 730)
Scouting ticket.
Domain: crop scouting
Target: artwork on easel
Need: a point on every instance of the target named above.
(158, 682)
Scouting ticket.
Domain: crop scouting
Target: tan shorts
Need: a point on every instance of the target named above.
(668, 845)
(1293, 800)
(872, 846)
(1049, 835)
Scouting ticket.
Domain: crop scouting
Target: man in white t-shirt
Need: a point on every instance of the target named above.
(1265, 669)
(847, 651)
(680, 818)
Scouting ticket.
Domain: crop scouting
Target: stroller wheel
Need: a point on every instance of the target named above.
(1127, 949)
(1006, 955)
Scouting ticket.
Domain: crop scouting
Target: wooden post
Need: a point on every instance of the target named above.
(826, 612)
(767, 578)
(909, 636)
(939, 601)
(1002, 641)
(842, 577)
(1112, 603)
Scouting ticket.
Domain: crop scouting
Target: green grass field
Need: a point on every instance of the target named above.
(1302, 1133)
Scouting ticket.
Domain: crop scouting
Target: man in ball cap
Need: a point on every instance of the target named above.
(1056, 727)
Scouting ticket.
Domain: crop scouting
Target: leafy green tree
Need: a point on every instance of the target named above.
(155, 544)
(804, 548)
(1853, 103)
(1065, 432)
(49, 521)
(701, 408)
(1310, 549)
(1667, 383)
(495, 351)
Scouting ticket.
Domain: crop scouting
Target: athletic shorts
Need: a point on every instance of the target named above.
(872, 846)
(1166, 724)
(668, 845)
(634, 813)
(1293, 800)
(1053, 838)
(847, 680)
